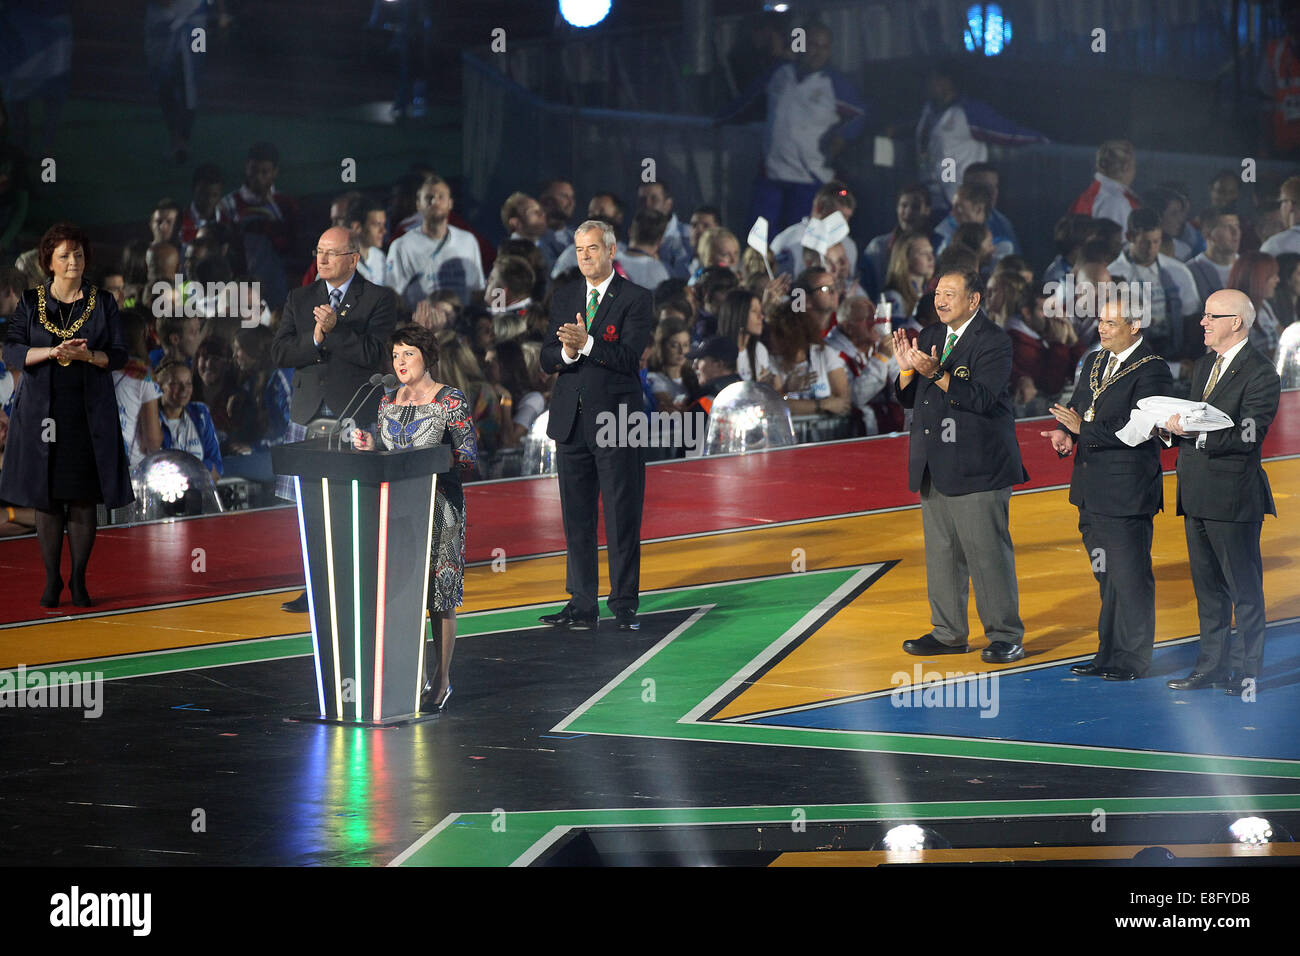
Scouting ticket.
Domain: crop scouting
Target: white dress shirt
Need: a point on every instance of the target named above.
(600, 291)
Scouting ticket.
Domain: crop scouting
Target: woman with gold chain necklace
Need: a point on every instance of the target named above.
(65, 452)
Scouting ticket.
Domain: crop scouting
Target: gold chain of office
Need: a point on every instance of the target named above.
(50, 327)
(1091, 413)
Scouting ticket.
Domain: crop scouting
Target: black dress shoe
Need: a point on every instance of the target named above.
(53, 589)
(1118, 673)
(1003, 652)
(627, 621)
(298, 605)
(1196, 681)
(1087, 669)
(80, 596)
(568, 617)
(1237, 685)
(925, 646)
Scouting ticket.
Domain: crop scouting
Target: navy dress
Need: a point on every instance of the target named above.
(86, 461)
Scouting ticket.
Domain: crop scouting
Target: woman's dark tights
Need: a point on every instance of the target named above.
(79, 520)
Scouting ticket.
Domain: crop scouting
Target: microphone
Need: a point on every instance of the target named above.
(373, 381)
(376, 380)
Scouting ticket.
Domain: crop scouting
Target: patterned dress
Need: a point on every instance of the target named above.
(446, 420)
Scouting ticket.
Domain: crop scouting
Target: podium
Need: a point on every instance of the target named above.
(365, 521)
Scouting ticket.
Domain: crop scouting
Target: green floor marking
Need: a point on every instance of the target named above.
(741, 623)
(502, 838)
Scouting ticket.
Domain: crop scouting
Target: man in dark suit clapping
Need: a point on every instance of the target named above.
(1223, 495)
(334, 333)
(599, 329)
(1117, 489)
(963, 458)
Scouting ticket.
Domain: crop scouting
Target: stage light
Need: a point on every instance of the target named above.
(987, 30)
(776, 8)
(584, 13)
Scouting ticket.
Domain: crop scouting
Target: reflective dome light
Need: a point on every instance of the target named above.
(1288, 356)
(988, 31)
(167, 481)
(539, 448)
(748, 416)
(171, 483)
(1253, 832)
(584, 13)
(904, 843)
(906, 837)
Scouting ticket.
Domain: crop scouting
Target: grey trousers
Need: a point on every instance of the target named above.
(967, 539)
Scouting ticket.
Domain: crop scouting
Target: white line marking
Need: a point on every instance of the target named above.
(406, 854)
(797, 630)
(631, 668)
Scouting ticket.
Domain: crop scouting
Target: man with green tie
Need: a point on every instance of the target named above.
(963, 459)
(599, 328)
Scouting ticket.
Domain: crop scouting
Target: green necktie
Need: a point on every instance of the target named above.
(947, 346)
(591, 307)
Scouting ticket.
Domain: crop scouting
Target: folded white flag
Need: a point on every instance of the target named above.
(1154, 411)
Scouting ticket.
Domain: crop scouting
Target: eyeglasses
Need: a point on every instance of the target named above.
(1211, 315)
(328, 254)
(824, 288)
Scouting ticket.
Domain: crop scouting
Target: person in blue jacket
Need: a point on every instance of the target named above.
(187, 425)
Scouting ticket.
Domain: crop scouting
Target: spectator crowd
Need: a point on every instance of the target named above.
(809, 315)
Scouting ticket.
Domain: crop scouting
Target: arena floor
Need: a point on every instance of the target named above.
(765, 714)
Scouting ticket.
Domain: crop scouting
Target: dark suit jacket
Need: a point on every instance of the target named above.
(1110, 477)
(349, 355)
(610, 375)
(966, 437)
(1226, 481)
(25, 479)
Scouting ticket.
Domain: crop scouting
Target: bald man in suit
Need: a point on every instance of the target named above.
(1223, 495)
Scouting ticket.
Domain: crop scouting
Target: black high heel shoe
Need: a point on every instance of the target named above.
(53, 590)
(427, 703)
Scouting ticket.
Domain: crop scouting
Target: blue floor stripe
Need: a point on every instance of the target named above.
(1053, 706)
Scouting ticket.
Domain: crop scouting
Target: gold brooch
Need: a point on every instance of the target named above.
(961, 371)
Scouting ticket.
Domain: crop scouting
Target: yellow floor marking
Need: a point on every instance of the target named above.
(1027, 854)
(859, 651)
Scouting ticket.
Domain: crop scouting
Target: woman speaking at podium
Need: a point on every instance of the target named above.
(425, 412)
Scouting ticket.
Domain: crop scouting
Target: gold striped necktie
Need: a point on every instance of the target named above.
(1214, 378)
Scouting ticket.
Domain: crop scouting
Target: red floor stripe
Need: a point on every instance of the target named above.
(159, 563)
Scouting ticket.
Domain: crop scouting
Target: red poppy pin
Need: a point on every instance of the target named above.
(611, 334)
